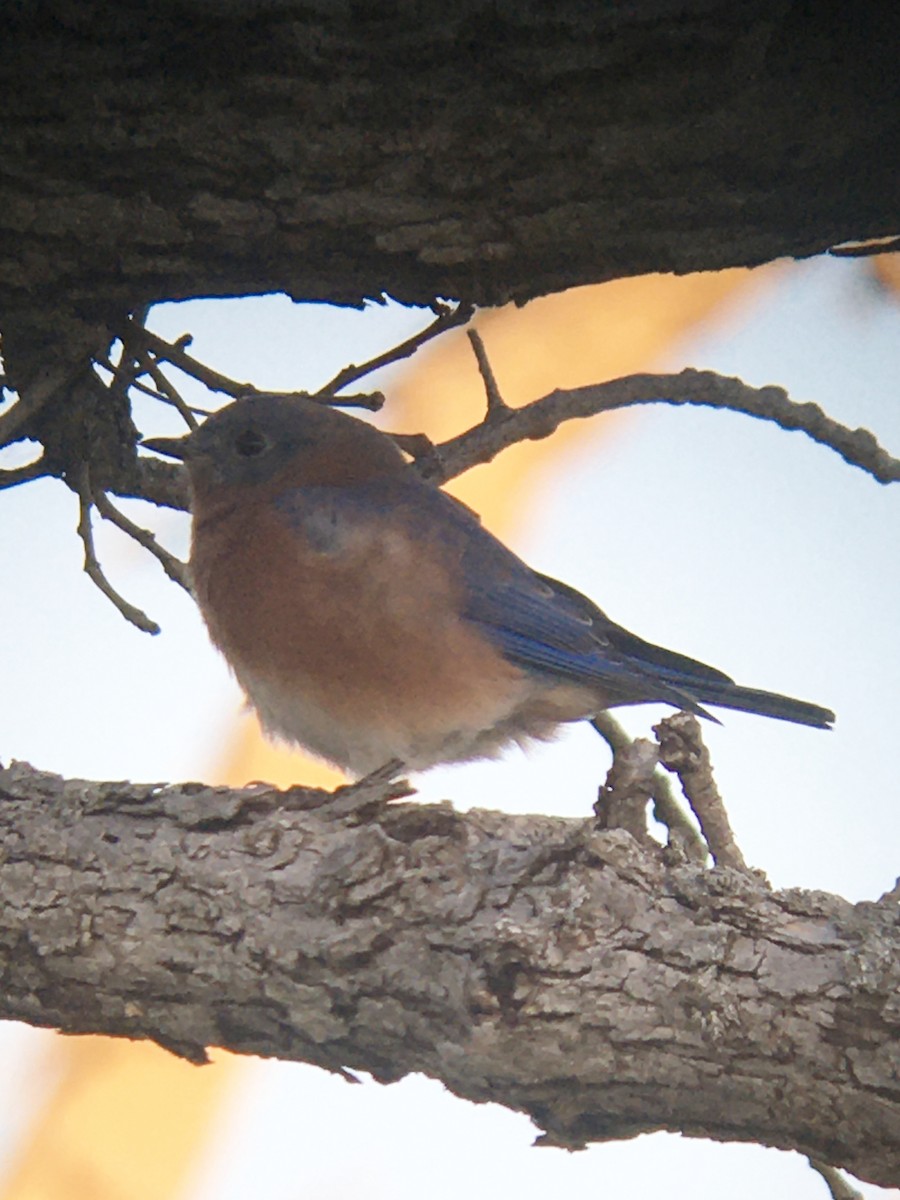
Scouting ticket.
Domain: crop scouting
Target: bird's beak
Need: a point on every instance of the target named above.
(171, 447)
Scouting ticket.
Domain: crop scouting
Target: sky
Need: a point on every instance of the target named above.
(713, 534)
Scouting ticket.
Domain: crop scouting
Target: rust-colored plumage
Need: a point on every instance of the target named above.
(370, 617)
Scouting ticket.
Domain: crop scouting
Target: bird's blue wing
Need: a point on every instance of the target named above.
(545, 626)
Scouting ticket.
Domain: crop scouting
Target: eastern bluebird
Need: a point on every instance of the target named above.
(369, 617)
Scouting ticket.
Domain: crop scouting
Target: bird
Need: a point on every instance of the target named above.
(370, 618)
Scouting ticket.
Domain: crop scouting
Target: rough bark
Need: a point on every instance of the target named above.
(483, 151)
(479, 150)
(604, 988)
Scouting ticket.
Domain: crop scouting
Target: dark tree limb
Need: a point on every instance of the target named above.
(488, 151)
(537, 962)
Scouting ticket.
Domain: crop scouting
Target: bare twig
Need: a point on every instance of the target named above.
(447, 318)
(623, 798)
(838, 1186)
(666, 808)
(370, 401)
(543, 417)
(866, 249)
(101, 360)
(152, 349)
(496, 405)
(143, 340)
(176, 570)
(92, 567)
(168, 390)
(415, 444)
(681, 750)
(14, 475)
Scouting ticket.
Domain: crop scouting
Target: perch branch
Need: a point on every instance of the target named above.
(536, 962)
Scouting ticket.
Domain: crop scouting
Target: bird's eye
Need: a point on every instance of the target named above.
(250, 443)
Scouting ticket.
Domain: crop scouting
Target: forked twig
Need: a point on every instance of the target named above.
(92, 567)
(447, 318)
(176, 570)
(666, 809)
(142, 340)
(496, 405)
(541, 418)
(168, 390)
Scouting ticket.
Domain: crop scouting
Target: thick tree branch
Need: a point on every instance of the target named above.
(536, 962)
(489, 151)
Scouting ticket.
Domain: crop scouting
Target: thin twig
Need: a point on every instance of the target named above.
(15, 475)
(92, 567)
(370, 401)
(666, 808)
(126, 370)
(866, 249)
(146, 390)
(172, 352)
(150, 344)
(496, 405)
(838, 1186)
(447, 318)
(543, 417)
(168, 389)
(107, 364)
(176, 570)
(682, 750)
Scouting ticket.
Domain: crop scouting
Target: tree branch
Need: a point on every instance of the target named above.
(162, 483)
(447, 318)
(92, 567)
(536, 962)
(543, 417)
